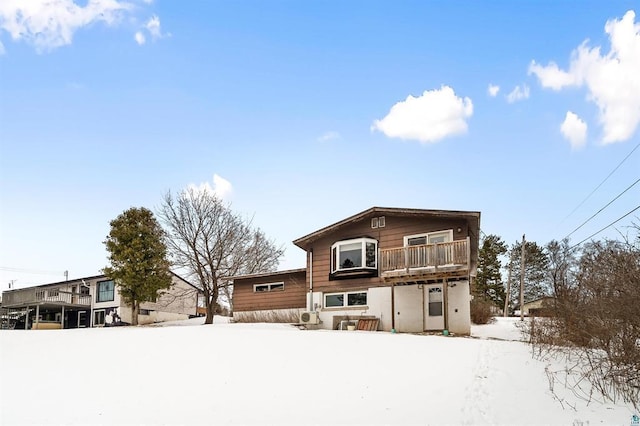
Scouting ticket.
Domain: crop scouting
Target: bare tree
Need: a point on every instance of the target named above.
(211, 243)
(595, 321)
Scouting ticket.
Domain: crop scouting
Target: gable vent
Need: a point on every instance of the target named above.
(377, 222)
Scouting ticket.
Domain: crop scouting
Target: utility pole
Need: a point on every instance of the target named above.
(522, 280)
(508, 294)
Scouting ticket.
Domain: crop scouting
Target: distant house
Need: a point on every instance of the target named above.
(91, 302)
(541, 307)
(409, 269)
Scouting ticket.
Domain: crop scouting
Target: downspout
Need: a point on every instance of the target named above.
(445, 302)
(393, 308)
(311, 280)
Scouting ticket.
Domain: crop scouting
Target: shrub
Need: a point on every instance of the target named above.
(481, 311)
(288, 316)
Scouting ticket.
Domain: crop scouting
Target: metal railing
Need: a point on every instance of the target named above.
(39, 295)
(455, 253)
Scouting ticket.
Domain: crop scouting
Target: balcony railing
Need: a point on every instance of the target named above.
(425, 259)
(41, 295)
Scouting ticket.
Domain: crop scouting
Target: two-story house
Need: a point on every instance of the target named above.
(408, 268)
(91, 302)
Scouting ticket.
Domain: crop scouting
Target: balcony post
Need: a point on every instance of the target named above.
(468, 252)
(406, 259)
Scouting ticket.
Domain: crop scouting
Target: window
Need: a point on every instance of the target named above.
(435, 302)
(429, 238)
(105, 291)
(84, 290)
(361, 253)
(98, 318)
(144, 312)
(339, 300)
(258, 288)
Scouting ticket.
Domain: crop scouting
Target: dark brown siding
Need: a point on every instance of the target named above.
(293, 295)
(392, 235)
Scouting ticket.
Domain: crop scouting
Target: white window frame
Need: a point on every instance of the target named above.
(448, 233)
(277, 286)
(104, 318)
(345, 299)
(363, 254)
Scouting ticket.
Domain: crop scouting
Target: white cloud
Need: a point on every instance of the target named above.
(329, 136)
(430, 117)
(2, 51)
(493, 90)
(48, 24)
(153, 26)
(518, 94)
(221, 188)
(574, 129)
(140, 38)
(612, 79)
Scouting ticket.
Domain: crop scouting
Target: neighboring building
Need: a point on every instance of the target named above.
(408, 268)
(91, 302)
(542, 307)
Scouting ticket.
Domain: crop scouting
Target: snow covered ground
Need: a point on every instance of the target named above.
(237, 374)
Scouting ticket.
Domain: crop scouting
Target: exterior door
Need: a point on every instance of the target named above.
(434, 307)
(408, 308)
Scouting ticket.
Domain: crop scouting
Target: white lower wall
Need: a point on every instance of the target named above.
(153, 317)
(458, 307)
(409, 306)
(378, 305)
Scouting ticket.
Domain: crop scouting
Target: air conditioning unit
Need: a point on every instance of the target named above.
(309, 317)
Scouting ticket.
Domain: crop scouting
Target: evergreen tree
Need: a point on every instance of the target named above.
(536, 263)
(488, 284)
(138, 258)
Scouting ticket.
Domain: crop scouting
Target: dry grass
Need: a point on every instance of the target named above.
(290, 316)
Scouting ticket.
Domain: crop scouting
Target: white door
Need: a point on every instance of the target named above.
(408, 308)
(434, 307)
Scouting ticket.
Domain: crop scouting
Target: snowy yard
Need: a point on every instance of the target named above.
(276, 374)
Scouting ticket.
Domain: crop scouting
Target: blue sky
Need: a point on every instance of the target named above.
(301, 113)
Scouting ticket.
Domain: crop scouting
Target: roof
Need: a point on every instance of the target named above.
(473, 217)
(267, 274)
(78, 280)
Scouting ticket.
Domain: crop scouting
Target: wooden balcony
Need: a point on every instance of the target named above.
(425, 262)
(44, 296)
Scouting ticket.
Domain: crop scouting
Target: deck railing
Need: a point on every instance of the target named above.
(455, 253)
(44, 295)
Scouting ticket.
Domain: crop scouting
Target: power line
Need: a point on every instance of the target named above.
(601, 183)
(607, 205)
(612, 223)
(31, 271)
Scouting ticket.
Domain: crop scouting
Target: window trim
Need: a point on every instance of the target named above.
(363, 253)
(427, 235)
(279, 287)
(345, 300)
(113, 292)
(104, 318)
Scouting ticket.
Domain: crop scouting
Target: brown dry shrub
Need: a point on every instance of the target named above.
(481, 311)
(269, 316)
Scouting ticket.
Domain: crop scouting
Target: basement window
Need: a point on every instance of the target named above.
(259, 288)
(340, 300)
